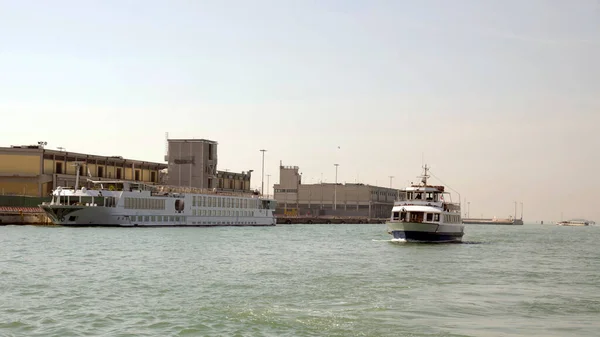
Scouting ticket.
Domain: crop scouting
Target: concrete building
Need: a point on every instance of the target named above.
(330, 199)
(193, 163)
(34, 171)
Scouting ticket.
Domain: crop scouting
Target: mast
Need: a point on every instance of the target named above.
(521, 211)
(425, 175)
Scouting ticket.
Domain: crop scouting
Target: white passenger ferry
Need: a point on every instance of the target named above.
(131, 204)
(426, 213)
(574, 222)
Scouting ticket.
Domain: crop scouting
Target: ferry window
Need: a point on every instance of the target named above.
(194, 201)
(429, 196)
(418, 196)
(435, 196)
(146, 218)
(100, 171)
(118, 173)
(153, 218)
(429, 216)
(396, 215)
(436, 217)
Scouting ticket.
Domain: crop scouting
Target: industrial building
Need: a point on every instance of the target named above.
(32, 170)
(193, 163)
(330, 199)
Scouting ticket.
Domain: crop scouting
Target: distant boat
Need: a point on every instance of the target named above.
(575, 222)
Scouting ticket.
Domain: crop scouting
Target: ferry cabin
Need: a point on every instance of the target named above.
(426, 204)
(133, 204)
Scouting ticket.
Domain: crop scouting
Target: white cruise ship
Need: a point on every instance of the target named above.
(131, 204)
(426, 213)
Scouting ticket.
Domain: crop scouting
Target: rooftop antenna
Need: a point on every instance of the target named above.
(42, 143)
(60, 148)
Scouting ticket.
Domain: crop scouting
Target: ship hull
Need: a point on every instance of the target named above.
(77, 216)
(426, 232)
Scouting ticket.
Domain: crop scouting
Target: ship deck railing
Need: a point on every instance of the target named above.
(165, 190)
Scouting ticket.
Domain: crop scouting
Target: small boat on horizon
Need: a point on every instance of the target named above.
(426, 213)
(575, 222)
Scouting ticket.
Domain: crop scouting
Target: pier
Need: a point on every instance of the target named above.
(308, 220)
(23, 216)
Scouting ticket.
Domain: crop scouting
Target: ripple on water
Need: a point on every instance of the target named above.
(342, 280)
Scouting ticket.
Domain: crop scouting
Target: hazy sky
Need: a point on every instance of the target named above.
(501, 98)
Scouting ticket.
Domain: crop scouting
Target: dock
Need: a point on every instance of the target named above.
(10, 215)
(308, 220)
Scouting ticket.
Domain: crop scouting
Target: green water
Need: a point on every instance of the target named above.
(298, 280)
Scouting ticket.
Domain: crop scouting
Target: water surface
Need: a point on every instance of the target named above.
(298, 280)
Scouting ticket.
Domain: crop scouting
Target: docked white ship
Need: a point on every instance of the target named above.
(426, 213)
(131, 204)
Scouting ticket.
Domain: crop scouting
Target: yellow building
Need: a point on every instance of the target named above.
(35, 171)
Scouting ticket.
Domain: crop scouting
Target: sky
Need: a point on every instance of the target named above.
(500, 98)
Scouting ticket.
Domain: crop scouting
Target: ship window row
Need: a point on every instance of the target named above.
(429, 196)
(404, 216)
(207, 201)
(144, 203)
(156, 218)
(215, 212)
(451, 218)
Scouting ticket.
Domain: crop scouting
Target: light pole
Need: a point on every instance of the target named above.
(468, 209)
(335, 187)
(391, 177)
(268, 188)
(262, 179)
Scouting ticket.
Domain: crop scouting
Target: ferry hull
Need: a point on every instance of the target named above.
(426, 232)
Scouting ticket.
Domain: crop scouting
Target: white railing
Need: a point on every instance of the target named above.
(165, 189)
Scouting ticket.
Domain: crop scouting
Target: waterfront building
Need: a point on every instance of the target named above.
(193, 163)
(330, 199)
(32, 170)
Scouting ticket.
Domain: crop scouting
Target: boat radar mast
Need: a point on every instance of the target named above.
(425, 175)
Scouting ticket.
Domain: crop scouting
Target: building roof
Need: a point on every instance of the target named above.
(38, 149)
(191, 141)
